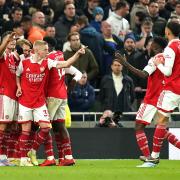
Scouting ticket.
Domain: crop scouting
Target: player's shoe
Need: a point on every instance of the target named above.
(32, 156)
(25, 162)
(149, 159)
(5, 162)
(15, 161)
(67, 162)
(146, 165)
(48, 163)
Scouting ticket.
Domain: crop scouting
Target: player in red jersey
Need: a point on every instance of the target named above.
(9, 61)
(57, 101)
(32, 75)
(169, 98)
(148, 109)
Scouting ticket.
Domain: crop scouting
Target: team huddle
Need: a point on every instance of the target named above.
(34, 95)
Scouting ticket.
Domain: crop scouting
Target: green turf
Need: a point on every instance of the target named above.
(95, 169)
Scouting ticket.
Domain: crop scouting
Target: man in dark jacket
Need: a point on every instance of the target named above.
(116, 90)
(64, 23)
(82, 97)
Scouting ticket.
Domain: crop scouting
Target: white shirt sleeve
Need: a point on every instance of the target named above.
(52, 63)
(75, 72)
(169, 57)
(150, 68)
(19, 69)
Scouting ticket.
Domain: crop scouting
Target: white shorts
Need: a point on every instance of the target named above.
(33, 114)
(146, 114)
(56, 108)
(8, 109)
(168, 101)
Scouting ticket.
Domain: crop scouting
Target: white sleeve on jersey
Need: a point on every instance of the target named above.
(75, 72)
(169, 57)
(52, 63)
(19, 69)
(150, 68)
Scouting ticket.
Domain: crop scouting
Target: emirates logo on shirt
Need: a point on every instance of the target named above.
(42, 69)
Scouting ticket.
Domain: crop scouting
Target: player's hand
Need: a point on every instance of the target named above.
(10, 37)
(18, 92)
(158, 59)
(121, 58)
(82, 50)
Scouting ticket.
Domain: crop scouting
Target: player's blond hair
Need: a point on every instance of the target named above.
(38, 44)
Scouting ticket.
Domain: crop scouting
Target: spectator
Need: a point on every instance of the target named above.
(37, 32)
(116, 90)
(82, 97)
(50, 30)
(17, 28)
(98, 14)
(64, 24)
(140, 6)
(163, 12)
(16, 16)
(158, 22)
(170, 5)
(91, 38)
(110, 8)
(112, 43)
(146, 31)
(88, 12)
(120, 26)
(137, 59)
(176, 12)
(26, 24)
(86, 62)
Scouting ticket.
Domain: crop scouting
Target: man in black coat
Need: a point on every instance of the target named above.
(116, 90)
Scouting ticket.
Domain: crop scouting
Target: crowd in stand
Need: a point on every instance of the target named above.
(105, 26)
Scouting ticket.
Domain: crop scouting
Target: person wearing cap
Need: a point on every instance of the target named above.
(98, 14)
(137, 59)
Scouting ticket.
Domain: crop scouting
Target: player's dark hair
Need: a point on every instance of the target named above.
(162, 42)
(174, 27)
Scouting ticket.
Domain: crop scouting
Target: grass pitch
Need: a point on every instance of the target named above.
(95, 170)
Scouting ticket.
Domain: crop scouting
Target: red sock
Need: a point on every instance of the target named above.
(23, 143)
(142, 142)
(173, 139)
(158, 137)
(17, 153)
(6, 142)
(2, 149)
(11, 143)
(40, 138)
(31, 140)
(58, 140)
(48, 146)
(66, 146)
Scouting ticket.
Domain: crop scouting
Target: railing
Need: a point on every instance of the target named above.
(83, 114)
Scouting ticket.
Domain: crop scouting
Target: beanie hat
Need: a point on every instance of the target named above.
(130, 36)
(98, 10)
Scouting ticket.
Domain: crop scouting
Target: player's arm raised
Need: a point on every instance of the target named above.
(5, 42)
(137, 72)
(70, 61)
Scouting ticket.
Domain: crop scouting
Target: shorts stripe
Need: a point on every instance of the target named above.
(160, 99)
(141, 111)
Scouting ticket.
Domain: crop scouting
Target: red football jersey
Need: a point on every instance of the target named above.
(155, 83)
(33, 81)
(56, 83)
(172, 82)
(8, 66)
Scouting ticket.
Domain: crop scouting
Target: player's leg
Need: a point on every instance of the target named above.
(25, 120)
(144, 117)
(167, 102)
(62, 136)
(7, 109)
(42, 117)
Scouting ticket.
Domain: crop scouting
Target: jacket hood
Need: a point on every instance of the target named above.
(88, 30)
